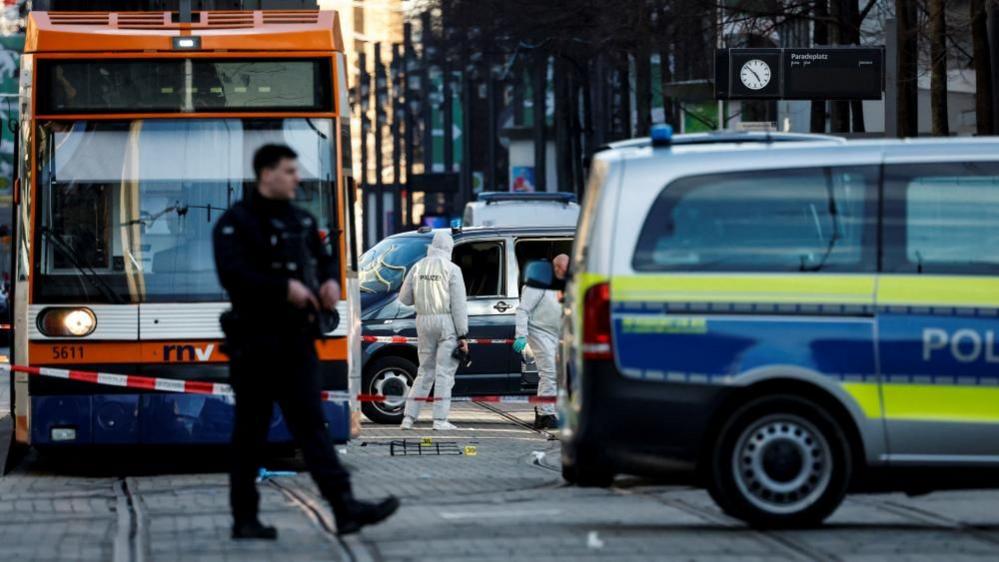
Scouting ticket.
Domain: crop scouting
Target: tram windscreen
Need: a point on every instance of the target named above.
(183, 85)
(126, 208)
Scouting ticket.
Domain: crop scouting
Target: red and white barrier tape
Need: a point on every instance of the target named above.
(222, 389)
(496, 399)
(126, 381)
(414, 341)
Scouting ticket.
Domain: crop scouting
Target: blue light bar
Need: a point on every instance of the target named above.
(497, 196)
(662, 135)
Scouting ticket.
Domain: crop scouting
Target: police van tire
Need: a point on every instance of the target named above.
(386, 374)
(585, 471)
(780, 462)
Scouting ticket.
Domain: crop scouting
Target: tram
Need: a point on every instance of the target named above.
(137, 131)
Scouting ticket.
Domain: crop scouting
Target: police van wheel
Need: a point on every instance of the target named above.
(584, 471)
(780, 461)
(387, 376)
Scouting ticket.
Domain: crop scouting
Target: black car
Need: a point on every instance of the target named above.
(491, 260)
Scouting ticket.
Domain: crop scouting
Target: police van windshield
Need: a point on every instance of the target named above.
(383, 268)
(126, 208)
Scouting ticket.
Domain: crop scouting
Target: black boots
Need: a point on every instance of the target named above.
(542, 422)
(355, 514)
(350, 518)
(253, 530)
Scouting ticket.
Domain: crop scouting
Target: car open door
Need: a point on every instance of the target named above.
(491, 317)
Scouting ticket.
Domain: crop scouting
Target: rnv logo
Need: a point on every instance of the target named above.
(187, 352)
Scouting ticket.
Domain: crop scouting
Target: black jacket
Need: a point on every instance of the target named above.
(259, 245)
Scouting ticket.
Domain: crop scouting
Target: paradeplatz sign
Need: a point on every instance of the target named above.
(819, 73)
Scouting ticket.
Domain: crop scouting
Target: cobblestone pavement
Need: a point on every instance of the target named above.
(504, 502)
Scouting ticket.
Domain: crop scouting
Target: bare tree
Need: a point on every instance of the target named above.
(820, 36)
(938, 68)
(983, 69)
(908, 68)
(839, 34)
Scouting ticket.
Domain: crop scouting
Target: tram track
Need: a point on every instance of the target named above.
(347, 548)
(925, 517)
(779, 540)
(129, 543)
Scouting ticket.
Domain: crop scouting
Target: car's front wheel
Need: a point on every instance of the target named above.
(391, 377)
(780, 461)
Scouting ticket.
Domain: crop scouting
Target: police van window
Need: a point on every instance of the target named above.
(806, 220)
(942, 218)
(481, 265)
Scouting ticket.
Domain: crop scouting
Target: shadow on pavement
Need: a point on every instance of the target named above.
(98, 462)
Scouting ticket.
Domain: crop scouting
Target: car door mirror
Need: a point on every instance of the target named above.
(539, 274)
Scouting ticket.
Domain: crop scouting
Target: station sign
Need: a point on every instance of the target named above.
(820, 73)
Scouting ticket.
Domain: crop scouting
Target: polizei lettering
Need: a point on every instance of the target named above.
(965, 346)
(433, 278)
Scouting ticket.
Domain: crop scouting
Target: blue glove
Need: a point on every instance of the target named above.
(519, 344)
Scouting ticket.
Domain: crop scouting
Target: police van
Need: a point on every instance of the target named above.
(786, 321)
(492, 262)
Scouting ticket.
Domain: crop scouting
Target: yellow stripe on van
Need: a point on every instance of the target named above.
(914, 402)
(586, 280)
(807, 288)
(938, 290)
(868, 397)
(947, 403)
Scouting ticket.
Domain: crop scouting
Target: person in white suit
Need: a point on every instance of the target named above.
(539, 323)
(436, 288)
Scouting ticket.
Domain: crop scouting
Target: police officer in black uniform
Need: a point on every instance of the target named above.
(281, 277)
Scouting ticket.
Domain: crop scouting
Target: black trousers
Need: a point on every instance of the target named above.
(282, 371)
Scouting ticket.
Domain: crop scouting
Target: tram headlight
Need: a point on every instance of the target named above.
(67, 322)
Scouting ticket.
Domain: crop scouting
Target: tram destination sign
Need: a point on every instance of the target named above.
(821, 73)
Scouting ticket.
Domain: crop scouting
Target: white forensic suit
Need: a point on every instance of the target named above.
(539, 319)
(436, 288)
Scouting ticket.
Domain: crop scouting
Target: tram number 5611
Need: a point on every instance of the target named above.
(63, 352)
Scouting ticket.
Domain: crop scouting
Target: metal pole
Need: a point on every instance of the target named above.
(409, 67)
(398, 116)
(540, 140)
(380, 102)
(519, 85)
(364, 101)
(466, 129)
(427, 38)
(445, 46)
(492, 117)
(448, 109)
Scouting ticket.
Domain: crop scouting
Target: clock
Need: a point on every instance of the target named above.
(755, 74)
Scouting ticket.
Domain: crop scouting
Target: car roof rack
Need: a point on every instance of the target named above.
(497, 196)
